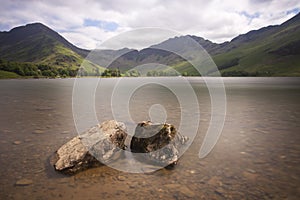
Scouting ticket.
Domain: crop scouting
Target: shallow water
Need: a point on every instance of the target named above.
(256, 157)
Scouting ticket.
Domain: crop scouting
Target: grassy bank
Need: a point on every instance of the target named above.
(8, 75)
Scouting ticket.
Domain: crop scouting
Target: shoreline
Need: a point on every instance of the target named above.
(43, 78)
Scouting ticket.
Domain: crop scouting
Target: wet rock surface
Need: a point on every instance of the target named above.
(100, 142)
(158, 143)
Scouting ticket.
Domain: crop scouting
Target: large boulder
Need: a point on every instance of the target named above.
(100, 143)
(157, 143)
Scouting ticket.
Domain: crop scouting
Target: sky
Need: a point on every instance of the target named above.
(88, 23)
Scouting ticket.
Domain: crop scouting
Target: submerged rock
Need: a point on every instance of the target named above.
(158, 143)
(38, 131)
(17, 142)
(100, 142)
(23, 182)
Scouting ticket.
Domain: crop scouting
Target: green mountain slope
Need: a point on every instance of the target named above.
(44, 50)
(270, 51)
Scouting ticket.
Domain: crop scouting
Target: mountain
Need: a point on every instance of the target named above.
(183, 43)
(35, 50)
(41, 49)
(269, 51)
(160, 55)
(37, 36)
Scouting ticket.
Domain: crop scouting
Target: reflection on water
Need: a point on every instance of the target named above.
(257, 156)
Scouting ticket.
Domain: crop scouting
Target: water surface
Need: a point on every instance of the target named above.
(256, 157)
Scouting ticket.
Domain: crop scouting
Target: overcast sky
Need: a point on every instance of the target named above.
(87, 23)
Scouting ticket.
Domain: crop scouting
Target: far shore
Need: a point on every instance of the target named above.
(44, 78)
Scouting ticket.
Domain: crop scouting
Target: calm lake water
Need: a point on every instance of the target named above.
(256, 157)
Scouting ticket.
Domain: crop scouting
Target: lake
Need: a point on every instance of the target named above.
(256, 157)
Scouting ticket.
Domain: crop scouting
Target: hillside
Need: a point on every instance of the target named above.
(127, 59)
(270, 51)
(35, 49)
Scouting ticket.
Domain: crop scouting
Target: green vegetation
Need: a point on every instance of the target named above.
(161, 73)
(37, 51)
(185, 69)
(35, 70)
(117, 73)
(111, 73)
(136, 73)
(132, 73)
(244, 73)
(7, 75)
(272, 51)
(62, 62)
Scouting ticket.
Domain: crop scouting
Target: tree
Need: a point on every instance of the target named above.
(184, 74)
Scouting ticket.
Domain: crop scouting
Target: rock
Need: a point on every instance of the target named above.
(38, 132)
(121, 178)
(99, 143)
(282, 157)
(180, 188)
(250, 176)
(215, 181)
(220, 191)
(187, 192)
(73, 157)
(17, 142)
(65, 132)
(157, 143)
(173, 186)
(133, 184)
(251, 171)
(23, 182)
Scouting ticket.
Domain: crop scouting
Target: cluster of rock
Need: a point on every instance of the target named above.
(159, 144)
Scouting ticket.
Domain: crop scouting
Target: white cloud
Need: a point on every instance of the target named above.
(215, 20)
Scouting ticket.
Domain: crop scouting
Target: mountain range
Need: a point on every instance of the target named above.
(37, 50)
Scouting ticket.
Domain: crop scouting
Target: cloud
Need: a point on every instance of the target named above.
(90, 22)
(138, 38)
